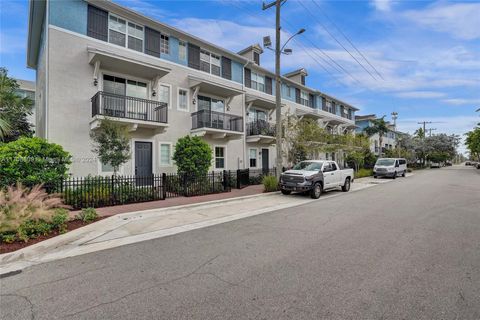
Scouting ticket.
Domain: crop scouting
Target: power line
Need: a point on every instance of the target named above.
(306, 50)
(345, 36)
(334, 38)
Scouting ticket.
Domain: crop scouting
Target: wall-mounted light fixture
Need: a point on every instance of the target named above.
(95, 82)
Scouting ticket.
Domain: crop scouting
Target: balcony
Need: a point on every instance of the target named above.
(261, 131)
(132, 111)
(217, 125)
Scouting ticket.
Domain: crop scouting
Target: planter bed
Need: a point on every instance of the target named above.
(16, 245)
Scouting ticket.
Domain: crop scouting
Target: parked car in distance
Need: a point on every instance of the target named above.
(448, 164)
(390, 167)
(468, 163)
(435, 165)
(315, 176)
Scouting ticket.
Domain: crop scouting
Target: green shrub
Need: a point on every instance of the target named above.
(88, 215)
(59, 220)
(32, 161)
(31, 229)
(9, 238)
(270, 183)
(192, 155)
(363, 173)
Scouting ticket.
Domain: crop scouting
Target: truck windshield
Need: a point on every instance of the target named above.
(308, 166)
(385, 162)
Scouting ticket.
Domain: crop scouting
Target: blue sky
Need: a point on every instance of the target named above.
(426, 53)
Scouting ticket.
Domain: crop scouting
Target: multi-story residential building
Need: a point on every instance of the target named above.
(389, 140)
(26, 89)
(97, 59)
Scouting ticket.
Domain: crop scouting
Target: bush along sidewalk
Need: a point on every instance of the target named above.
(31, 215)
(270, 183)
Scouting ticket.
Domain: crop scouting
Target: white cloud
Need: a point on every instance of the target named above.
(382, 5)
(420, 94)
(461, 20)
(462, 101)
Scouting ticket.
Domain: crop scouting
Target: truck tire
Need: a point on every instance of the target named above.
(286, 192)
(346, 185)
(404, 173)
(316, 191)
(394, 175)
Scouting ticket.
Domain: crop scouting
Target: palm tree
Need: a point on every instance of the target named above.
(4, 128)
(378, 126)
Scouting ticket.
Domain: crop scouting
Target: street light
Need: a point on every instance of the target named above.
(267, 43)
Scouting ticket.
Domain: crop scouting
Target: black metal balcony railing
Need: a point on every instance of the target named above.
(118, 106)
(261, 127)
(216, 120)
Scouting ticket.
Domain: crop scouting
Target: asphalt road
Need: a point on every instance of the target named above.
(409, 249)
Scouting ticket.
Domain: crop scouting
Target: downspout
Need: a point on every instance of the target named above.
(244, 101)
(47, 49)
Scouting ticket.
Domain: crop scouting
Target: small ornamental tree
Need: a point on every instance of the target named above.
(192, 155)
(112, 143)
(14, 110)
(32, 161)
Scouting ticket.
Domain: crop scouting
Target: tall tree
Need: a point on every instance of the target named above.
(112, 143)
(14, 110)
(473, 143)
(379, 126)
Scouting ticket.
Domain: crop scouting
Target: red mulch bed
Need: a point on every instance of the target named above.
(14, 246)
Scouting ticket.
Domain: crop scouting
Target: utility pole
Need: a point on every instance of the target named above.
(431, 129)
(424, 123)
(424, 136)
(278, 87)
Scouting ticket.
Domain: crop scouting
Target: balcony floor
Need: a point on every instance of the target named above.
(133, 124)
(217, 133)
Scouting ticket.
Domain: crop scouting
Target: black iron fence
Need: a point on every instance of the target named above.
(105, 191)
(118, 106)
(217, 120)
(100, 191)
(261, 127)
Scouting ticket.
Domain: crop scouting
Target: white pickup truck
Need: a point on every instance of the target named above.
(315, 176)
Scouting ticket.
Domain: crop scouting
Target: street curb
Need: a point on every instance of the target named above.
(112, 223)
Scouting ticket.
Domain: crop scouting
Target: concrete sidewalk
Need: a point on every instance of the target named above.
(132, 227)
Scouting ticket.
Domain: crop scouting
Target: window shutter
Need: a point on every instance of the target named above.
(193, 56)
(256, 58)
(268, 85)
(97, 23)
(248, 78)
(226, 68)
(297, 95)
(152, 42)
(311, 99)
(303, 80)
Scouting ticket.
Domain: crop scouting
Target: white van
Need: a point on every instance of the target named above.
(390, 167)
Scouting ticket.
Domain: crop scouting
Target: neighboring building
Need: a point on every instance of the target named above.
(26, 89)
(96, 59)
(389, 140)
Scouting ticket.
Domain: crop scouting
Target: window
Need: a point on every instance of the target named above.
(211, 104)
(107, 167)
(253, 158)
(256, 58)
(304, 98)
(164, 94)
(135, 37)
(215, 65)
(256, 115)
(289, 91)
(165, 154)
(117, 31)
(182, 99)
(182, 50)
(164, 44)
(219, 158)
(258, 82)
(205, 61)
(210, 62)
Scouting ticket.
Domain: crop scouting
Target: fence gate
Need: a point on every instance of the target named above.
(243, 177)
